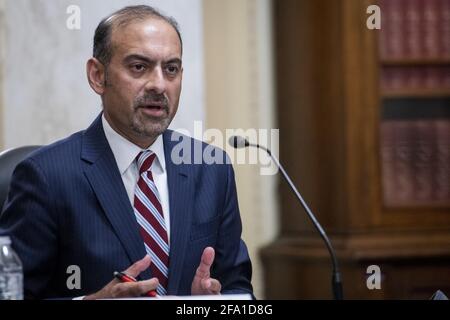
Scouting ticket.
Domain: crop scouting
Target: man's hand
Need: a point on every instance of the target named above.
(203, 284)
(116, 289)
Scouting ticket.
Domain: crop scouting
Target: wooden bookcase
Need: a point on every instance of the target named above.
(331, 110)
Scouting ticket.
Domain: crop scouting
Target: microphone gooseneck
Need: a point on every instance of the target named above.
(240, 142)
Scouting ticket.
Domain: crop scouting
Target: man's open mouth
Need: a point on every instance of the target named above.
(153, 106)
(154, 110)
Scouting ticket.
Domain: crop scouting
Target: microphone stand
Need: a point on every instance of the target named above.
(336, 281)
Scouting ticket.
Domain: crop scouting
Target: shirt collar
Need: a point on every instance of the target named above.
(125, 152)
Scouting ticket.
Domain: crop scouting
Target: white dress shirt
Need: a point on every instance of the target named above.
(125, 153)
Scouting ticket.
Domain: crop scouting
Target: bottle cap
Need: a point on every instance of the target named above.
(5, 240)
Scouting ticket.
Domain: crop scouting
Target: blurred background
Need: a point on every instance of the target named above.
(364, 119)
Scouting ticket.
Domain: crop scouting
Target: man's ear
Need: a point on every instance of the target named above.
(96, 74)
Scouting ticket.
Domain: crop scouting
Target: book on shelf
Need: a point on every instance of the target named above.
(415, 157)
(415, 29)
(413, 78)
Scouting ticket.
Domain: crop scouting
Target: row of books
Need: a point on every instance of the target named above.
(415, 29)
(415, 77)
(415, 158)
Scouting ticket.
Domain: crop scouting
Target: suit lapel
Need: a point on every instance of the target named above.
(104, 177)
(181, 195)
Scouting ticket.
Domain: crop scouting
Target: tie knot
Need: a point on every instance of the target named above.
(145, 160)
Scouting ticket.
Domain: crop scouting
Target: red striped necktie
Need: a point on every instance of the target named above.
(150, 217)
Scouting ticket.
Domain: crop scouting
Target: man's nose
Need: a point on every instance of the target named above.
(156, 81)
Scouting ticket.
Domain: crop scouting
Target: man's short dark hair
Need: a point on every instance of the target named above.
(102, 38)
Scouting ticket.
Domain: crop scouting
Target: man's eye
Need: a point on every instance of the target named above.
(138, 67)
(172, 70)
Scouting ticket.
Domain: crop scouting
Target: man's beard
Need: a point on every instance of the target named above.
(148, 126)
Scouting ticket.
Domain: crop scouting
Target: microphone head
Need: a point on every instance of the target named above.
(238, 142)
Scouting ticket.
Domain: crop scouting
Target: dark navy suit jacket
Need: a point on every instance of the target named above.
(67, 206)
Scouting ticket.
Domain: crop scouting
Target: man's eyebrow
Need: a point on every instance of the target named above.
(132, 57)
(145, 59)
(175, 60)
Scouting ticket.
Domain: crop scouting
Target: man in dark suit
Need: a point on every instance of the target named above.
(114, 197)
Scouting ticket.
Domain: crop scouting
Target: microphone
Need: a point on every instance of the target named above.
(238, 142)
(336, 280)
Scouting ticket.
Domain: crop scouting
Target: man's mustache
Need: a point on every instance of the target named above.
(152, 99)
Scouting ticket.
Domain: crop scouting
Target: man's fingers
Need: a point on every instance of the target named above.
(116, 289)
(203, 270)
(202, 283)
(149, 285)
(211, 285)
(135, 269)
(134, 289)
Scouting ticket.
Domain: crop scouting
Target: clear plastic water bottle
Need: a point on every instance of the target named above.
(11, 273)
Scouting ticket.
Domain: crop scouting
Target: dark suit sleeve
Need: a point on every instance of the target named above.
(232, 264)
(28, 219)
